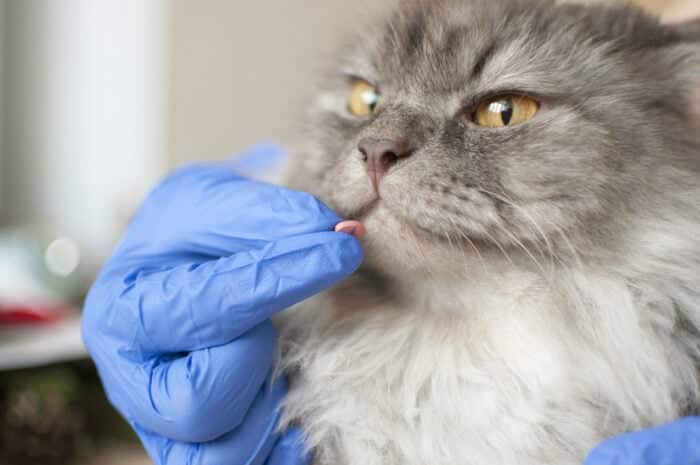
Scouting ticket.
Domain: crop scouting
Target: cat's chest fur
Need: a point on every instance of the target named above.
(504, 370)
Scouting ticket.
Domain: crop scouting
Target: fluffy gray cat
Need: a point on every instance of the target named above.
(529, 176)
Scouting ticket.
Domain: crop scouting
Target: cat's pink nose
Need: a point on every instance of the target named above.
(380, 155)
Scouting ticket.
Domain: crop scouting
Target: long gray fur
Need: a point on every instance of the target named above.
(527, 291)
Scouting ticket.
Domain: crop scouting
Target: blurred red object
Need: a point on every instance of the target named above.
(14, 315)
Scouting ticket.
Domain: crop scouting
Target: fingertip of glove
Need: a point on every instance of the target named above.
(312, 210)
(349, 250)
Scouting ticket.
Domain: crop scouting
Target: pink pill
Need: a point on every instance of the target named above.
(354, 228)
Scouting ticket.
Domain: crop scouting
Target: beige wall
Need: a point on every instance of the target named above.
(671, 10)
(241, 68)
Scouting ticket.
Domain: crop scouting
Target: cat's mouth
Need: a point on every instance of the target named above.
(367, 209)
(423, 219)
(406, 203)
(380, 213)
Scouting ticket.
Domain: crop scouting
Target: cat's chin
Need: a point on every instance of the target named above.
(402, 250)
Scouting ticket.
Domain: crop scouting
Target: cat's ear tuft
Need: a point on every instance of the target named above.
(688, 30)
(687, 57)
(680, 62)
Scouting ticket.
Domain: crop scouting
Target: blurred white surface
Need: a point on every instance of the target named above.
(2, 107)
(26, 284)
(86, 114)
(41, 345)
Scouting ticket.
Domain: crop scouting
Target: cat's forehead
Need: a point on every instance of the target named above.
(420, 31)
(441, 44)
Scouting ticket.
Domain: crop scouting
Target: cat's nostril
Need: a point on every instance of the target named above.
(379, 155)
(384, 149)
(388, 159)
(364, 154)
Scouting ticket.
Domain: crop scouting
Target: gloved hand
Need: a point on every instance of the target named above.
(674, 444)
(178, 320)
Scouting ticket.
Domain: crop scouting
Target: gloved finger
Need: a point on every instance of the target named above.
(249, 444)
(211, 389)
(289, 450)
(197, 397)
(259, 160)
(674, 444)
(208, 212)
(217, 302)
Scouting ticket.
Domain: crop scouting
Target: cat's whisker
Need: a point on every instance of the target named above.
(419, 248)
(500, 246)
(451, 244)
(569, 244)
(478, 253)
(530, 219)
(470, 242)
(423, 255)
(487, 271)
(558, 230)
(520, 244)
(463, 252)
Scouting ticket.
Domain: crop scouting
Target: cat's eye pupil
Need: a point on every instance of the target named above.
(503, 107)
(370, 99)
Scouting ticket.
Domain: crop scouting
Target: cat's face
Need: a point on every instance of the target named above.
(499, 123)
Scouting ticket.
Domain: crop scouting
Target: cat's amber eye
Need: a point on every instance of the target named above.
(505, 110)
(364, 99)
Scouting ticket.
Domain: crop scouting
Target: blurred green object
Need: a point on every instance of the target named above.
(56, 415)
(24, 273)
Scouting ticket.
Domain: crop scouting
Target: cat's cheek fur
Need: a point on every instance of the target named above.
(695, 98)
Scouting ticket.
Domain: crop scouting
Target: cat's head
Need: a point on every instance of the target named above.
(503, 124)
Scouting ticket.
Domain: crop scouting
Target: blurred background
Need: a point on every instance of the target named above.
(98, 100)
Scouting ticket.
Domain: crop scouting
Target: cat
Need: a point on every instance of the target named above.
(529, 176)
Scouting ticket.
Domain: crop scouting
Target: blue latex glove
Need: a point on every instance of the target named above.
(674, 444)
(178, 320)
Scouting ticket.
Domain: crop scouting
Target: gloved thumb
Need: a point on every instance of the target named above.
(674, 444)
(289, 450)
